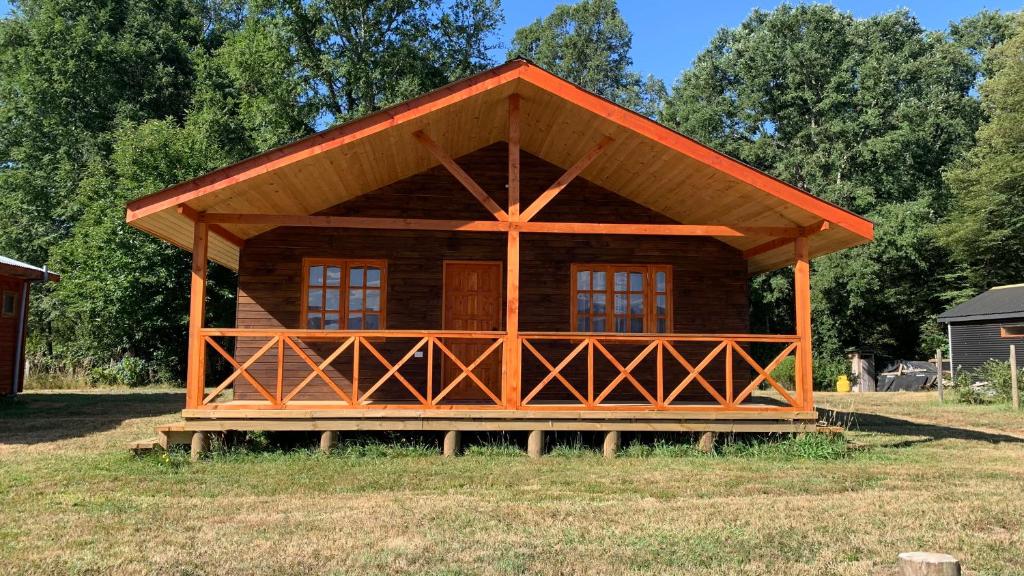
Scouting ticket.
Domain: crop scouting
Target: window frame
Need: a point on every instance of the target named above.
(650, 294)
(14, 307)
(343, 287)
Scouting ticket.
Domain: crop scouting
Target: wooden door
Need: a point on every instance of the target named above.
(472, 301)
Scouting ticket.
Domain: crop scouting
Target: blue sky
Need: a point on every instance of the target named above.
(668, 34)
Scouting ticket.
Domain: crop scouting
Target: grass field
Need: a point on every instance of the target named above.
(919, 475)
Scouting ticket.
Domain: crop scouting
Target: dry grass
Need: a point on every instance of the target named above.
(74, 502)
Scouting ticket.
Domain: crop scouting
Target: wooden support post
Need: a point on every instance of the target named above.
(706, 443)
(196, 369)
(512, 371)
(535, 444)
(452, 443)
(1014, 389)
(802, 290)
(928, 564)
(328, 438)
(612, 441)
(200, 445)
(938, 371)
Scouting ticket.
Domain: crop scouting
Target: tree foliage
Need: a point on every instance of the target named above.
(108, 100)
(865, 114)
(984, 232)
(588, 43)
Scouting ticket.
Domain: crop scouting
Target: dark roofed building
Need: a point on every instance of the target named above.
(983, 327)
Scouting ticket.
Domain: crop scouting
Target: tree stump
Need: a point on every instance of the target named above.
(928, 564)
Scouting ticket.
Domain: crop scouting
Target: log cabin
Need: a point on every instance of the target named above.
(508, 252)
(16, 279)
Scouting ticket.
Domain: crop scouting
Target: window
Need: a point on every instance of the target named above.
(343, 294)
(10, 304)
(621, 298)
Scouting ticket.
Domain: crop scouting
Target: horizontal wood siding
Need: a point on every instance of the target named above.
(974, 343)
(709, 277)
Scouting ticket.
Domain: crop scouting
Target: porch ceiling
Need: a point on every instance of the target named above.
(645, 162)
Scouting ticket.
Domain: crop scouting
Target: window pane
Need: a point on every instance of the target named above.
(316, 275)
(620, 303)
(355, 321)
(373, 300)
(662, 325)
(636, 304)
(373, 276)
(621, 324)
(598, 303)
(333, 276)
(315, 300)
(333, 299)
(355, 276)
(355, 299)
(331, 321)
(636, 281)
(583, 280)
(599, 281)
(620, 281)
(636, 325)
(313, 321)
(661, 305)
(583, 303)
(659, 281)
(583, 323)
(600, 324)
(373, 321)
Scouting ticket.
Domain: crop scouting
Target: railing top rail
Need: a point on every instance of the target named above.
(647, 337)
(339, 334)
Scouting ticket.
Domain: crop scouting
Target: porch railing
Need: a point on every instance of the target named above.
(559, 370)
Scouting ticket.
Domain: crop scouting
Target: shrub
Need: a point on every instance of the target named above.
(827, 370)
(785, 372)
(987, 384)
(130, 371)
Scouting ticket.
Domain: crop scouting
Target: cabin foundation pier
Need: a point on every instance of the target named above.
(200, 445)
(612, 441)
(535, 444)
(452, 443)
(328, 438)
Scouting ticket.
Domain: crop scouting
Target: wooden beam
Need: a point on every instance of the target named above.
(804, 231)
(355, 222)
(802, 291)
(657, 229)
(461, 175)
(196, 313)
(512, 371)
(191, 213)
(563, 181)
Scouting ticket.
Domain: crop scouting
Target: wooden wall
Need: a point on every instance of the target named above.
(709, 277)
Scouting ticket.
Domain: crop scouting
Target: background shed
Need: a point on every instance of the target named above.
(15, 279)
(983, 328)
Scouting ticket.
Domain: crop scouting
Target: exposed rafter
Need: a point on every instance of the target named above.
(190, 213)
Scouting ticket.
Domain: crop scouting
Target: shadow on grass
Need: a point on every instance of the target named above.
(35, 418)
(868, 422)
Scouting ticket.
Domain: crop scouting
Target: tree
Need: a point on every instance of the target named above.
(984, 232)
(863, 113)
(588, 43)
(102, 102)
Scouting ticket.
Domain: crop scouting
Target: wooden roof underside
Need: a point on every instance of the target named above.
(646, 162)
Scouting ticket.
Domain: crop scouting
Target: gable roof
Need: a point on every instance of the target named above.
(999, 303)
(646, 162)
(18, 269)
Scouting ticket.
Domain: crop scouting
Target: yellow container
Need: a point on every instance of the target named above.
(842, 384)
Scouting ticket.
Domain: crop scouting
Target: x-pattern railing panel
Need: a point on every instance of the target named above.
(361, 349)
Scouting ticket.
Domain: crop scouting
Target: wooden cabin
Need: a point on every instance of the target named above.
(507, 252)
(15, 280)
